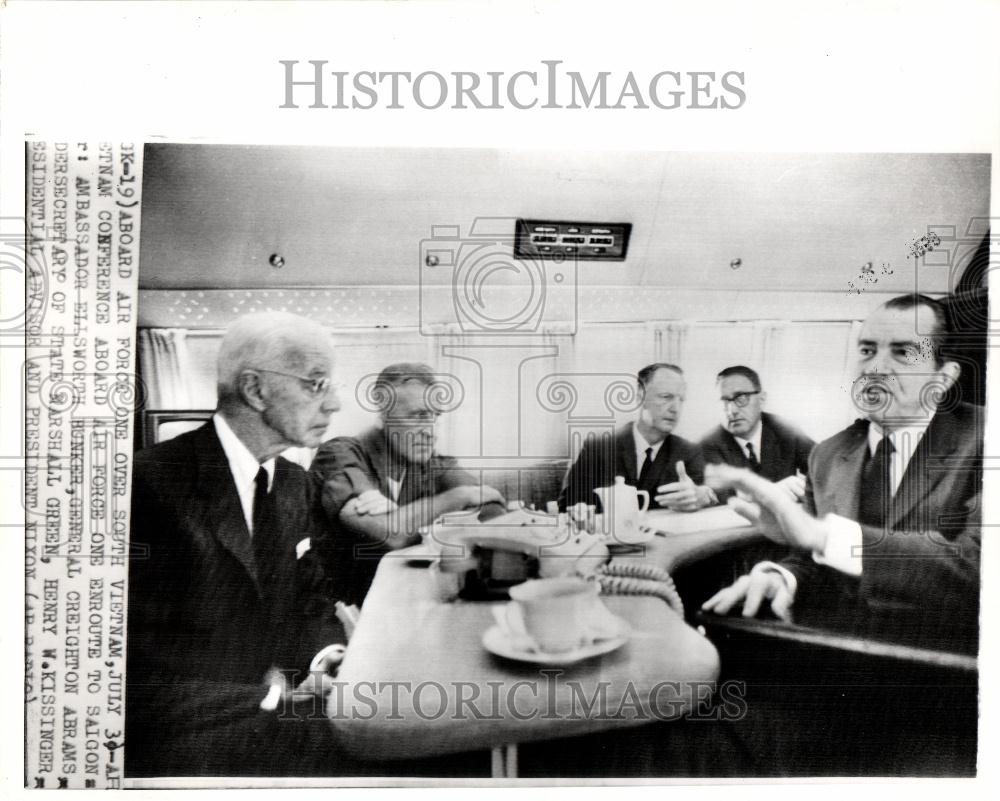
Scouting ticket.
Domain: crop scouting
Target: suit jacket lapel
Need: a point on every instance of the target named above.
(663, 467)
(625, 456)
(770, 443)
(735, 453)
(921, 477)
(846, 488)
(225, 514)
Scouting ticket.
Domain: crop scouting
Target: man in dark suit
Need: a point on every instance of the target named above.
(228, 603)
(645, 452)
(752, 438)
(890, 524)
(887, 547)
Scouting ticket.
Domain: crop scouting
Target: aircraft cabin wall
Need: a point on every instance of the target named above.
(768, 260)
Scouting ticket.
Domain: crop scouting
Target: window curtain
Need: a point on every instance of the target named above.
(164, 365)
(851, 411)
(360, 357)
(518, 396)
(768, 344)
(669, 339)
(479, 414)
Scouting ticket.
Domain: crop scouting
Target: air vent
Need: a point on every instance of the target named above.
(544, 239)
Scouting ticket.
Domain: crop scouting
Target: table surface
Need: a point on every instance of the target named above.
(413, 656)
(674, 550)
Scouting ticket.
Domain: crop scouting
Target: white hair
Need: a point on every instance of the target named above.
(267, 340)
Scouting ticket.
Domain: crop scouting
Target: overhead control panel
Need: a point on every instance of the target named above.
(583, 241)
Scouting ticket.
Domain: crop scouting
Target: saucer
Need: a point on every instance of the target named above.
(501, 643)
(636, 539)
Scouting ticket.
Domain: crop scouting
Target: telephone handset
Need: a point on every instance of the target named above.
(481, 561)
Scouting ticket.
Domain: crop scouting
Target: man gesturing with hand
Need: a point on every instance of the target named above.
(646, 453)
(683, 495)
(888, 533)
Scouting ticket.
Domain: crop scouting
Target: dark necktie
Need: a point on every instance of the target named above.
(647, 465)
(264, 540)
(752, 458)
(876, 486)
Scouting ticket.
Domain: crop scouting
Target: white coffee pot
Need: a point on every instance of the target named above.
(623, 515)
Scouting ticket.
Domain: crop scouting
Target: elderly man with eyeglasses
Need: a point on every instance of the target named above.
(386, 483)
(232, 631)
(752, 438)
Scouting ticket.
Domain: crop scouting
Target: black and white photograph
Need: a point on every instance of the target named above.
(547, 396)
(671, 476)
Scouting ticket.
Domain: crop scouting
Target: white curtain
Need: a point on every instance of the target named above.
(701, 350)
(360, 356)
(165, 366)
(478, 372)
(768, 342)
(808, 376)
(669, 338)
(516, 396)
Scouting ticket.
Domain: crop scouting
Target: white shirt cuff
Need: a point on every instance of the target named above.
(317, 661)
(773, 567)
(843, 546)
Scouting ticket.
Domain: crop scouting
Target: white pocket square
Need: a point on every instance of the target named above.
(301, 547)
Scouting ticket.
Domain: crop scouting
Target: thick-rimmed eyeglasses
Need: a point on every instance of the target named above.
(315, 386)
(739, 399)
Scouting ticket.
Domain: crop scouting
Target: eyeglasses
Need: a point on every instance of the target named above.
(740, 399)
(316, 386)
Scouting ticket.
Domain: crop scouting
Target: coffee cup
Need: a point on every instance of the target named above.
(553, 612)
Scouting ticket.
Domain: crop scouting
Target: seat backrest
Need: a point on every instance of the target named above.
(534, 484)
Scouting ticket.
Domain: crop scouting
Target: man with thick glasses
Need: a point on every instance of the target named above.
(752, 438)
(384, 484)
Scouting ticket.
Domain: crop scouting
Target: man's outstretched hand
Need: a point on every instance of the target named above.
(772, 508)
(752, 590)
(684, 495)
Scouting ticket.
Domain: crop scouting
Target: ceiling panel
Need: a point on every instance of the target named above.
(212, 215)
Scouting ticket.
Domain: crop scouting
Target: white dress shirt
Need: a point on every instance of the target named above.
(243, 467)
(395, 485)
(753, 440)
(844, 538)
(640, 449)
